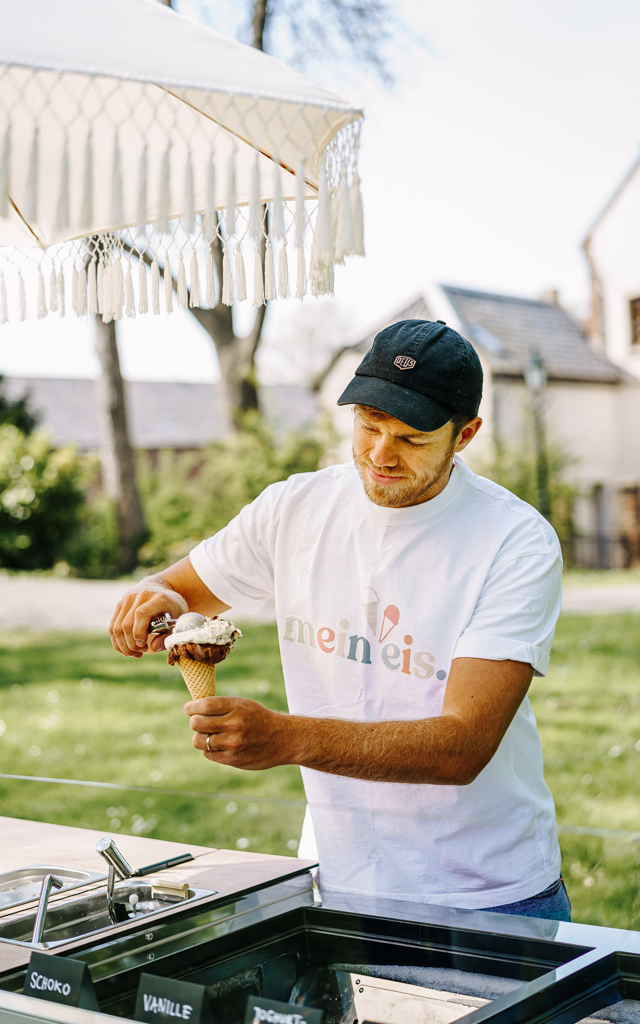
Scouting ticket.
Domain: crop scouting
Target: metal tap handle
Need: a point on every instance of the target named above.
(48, 882)
(108, 849)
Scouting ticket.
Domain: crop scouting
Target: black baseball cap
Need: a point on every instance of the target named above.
(420, 371)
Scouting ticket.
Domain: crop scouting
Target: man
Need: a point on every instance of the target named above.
(414, 601)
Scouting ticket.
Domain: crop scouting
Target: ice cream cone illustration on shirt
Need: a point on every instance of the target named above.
(390, 619)
(370, 602)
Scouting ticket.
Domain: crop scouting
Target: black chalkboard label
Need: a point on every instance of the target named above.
(60, 980)
(271, 1011)
(161, 1000)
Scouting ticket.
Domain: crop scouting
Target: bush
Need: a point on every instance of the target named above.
(41, 498)
(192, 495)
(92, 551)
(515, 467)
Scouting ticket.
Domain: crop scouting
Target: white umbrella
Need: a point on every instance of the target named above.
(128, 124)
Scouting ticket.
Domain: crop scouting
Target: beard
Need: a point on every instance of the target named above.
(411, 489)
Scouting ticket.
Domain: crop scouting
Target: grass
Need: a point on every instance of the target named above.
(73, 709)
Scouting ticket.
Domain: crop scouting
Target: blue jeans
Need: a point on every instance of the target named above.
(552, 904)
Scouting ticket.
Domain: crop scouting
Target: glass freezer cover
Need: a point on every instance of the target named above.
(364, 961)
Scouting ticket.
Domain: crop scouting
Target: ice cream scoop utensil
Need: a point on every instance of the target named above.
(161, 624)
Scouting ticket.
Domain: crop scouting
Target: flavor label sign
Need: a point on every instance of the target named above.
(271, 1011)
(161, 1000)
(60, 980)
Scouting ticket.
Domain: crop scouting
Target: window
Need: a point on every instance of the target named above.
(634, 307)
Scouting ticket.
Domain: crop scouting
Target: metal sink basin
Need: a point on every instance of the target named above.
(73, 918)
(23, 884)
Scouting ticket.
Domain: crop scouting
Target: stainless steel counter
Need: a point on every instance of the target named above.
(228, 872)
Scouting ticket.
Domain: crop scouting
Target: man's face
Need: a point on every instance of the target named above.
(400, 466)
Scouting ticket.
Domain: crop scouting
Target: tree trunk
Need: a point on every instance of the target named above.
(260, 15)
(118, 460)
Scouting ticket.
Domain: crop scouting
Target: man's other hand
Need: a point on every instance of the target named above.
(241, 733)
(129, 625)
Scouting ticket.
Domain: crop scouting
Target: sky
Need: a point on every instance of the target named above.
(510, 123)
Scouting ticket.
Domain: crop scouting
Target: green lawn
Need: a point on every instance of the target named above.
(74, 709)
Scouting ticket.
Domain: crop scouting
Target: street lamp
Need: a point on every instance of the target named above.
(536, 381)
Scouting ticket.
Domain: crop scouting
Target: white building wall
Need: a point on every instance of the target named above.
(615, 249)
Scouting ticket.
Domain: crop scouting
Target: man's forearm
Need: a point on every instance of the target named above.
(438, 751)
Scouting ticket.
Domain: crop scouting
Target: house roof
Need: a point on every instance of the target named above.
(161, 414)
(509, 329)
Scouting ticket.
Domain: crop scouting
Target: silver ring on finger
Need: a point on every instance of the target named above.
(208, 743)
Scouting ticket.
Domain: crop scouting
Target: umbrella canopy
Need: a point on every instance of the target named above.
(129, 125)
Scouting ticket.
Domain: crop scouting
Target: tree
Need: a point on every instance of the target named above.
(118, 457)
(354, 28)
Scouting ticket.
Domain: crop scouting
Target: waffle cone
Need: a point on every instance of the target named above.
(200, 678)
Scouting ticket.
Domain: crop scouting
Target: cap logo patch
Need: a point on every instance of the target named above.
(404, 362)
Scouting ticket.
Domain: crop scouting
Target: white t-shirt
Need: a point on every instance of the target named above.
(373, 604)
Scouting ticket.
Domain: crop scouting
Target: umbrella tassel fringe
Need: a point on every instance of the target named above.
(22, 298)
(278, 213)
(168, 285)
(155, 286)
(183, 297)
(357, 220)
(210, 280)
(194, 272)
(74, 290)
(61, 304)
(53, 289)
(300, 211)
(143, 295)
(258, 283)
(269, 273)
(283, 271)
(130, 302)
(227, 280)
(42, 299)
(92, 288)
(301, 282)
(241, 277)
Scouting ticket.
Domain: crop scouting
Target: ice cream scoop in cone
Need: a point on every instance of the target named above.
(199, 677)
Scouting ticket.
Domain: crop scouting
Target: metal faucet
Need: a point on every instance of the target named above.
(119, 868)
(48, 882)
